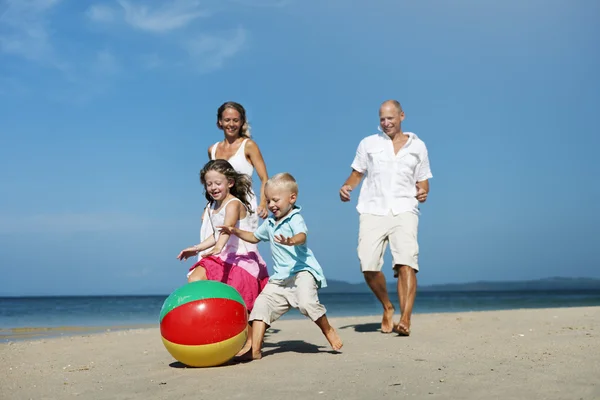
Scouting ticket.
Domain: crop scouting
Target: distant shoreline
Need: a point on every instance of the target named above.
(342, 287)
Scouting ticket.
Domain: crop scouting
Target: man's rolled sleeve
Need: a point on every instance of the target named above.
(423, 170)
(360, 159)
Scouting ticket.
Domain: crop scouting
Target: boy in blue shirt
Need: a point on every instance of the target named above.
(298, 274)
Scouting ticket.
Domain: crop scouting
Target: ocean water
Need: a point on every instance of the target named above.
(114, 311)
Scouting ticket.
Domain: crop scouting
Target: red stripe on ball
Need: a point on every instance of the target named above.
(204, 322)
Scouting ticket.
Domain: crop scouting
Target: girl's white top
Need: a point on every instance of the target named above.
(240, 163)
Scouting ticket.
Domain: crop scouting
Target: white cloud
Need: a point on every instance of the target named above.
(28, 31)
(210, 52)
(101, 13)
(25, 31)
(205, 52)
(165, 18)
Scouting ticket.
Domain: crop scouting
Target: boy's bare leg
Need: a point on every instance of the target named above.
(248, 346)
(258, 333)
(376, 281)
(330, 333)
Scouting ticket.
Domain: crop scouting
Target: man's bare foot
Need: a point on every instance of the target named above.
(333, 339)
(402, 329)
(387, 322)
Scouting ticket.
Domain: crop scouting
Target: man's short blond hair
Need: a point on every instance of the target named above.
(395, 103)
(283, 180)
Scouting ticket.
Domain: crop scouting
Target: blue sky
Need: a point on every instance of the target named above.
(107, 108)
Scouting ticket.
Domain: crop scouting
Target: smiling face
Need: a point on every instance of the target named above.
(231, 122)
(280, 201)
(217, 185)
(390, 118)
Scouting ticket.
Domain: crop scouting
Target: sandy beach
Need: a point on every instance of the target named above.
(523, 354)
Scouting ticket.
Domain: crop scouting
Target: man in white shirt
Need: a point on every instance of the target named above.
(395, 165)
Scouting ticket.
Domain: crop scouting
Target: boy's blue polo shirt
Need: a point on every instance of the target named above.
(289, 260)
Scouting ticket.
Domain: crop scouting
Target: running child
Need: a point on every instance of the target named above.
(226, 258)
(297, 273)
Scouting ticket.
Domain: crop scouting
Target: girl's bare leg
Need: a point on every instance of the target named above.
(198, 274)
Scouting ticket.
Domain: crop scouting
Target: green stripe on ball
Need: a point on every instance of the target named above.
(199, 290)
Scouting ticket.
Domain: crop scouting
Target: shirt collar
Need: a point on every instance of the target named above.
(410, 135)
(295, 210)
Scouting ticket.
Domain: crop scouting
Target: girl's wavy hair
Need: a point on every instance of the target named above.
(242, 185)
(245, 129)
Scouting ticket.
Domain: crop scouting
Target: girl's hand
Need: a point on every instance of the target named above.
(187, 253)
(288, 241)
(212, 252)
(262, 212)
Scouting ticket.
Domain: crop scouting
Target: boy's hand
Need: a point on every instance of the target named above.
(288, 241)
(187, 253)
(230, 230)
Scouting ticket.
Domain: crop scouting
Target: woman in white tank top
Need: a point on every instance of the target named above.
(243, 154)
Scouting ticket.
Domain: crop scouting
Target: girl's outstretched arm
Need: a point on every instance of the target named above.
(244, 235)
(193, 250)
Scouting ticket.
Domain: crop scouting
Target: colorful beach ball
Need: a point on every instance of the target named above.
(203, 323)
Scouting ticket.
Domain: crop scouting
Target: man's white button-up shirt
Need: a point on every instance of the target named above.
(390, 179)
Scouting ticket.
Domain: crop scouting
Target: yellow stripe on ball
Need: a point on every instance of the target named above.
(207, 355)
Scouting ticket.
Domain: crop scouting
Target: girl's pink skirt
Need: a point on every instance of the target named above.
(248, 284)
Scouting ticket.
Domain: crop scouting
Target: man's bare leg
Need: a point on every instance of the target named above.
(376, 281)
(330, 333)
(407, 291)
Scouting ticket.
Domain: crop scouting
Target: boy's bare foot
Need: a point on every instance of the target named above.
(333, 339)
(246, 349)
(402, 329)
(387, 322)
(248, 356)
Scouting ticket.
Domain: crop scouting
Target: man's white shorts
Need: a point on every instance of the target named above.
(374, 233)
(298, 291)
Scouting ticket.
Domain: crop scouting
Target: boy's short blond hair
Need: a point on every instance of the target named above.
(283, 180)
